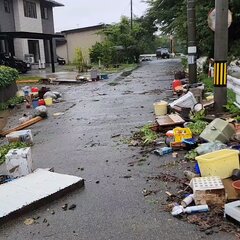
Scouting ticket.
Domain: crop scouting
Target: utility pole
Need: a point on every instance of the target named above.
(192, 46)
(220, 55)
(131, 3)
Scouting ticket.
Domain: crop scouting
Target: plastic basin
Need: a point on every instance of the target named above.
(219, 163)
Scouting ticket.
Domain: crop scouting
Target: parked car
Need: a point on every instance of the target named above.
(162, 53)
(13, 62)
(61, 61)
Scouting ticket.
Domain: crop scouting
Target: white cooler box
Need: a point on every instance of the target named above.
(19, 162)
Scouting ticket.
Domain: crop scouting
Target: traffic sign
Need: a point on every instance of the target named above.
(212, 19)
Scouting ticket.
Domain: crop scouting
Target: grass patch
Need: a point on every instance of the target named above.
(145, 135)
(208, 82)
(21, 78)
(197, 127)
(12, 101)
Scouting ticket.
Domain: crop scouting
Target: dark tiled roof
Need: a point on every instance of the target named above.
(53, 3)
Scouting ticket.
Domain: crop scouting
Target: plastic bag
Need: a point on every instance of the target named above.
(41, 111)
(49, 95)
(210, 147)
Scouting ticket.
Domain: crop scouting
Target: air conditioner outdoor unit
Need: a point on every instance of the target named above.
(29, 58)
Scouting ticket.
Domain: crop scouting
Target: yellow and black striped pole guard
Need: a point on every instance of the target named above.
(220, 73)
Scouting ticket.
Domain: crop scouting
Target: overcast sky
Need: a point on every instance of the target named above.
(84, 13)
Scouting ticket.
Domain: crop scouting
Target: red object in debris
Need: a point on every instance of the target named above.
(176, 84)
(41, 102)
(35, 89)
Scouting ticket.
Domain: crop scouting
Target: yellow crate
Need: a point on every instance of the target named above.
(181, 133)
(219, 163)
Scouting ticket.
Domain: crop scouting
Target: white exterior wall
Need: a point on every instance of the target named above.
(26, 24)
(84, 40)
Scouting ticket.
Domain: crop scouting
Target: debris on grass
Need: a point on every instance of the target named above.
(5, 149)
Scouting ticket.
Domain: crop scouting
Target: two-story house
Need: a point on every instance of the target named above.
(27, 27)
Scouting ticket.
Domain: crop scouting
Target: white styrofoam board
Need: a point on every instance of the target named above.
(32, 188)
(233, 210)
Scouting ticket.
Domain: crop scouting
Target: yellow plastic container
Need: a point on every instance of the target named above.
(48, 101)
(181, 133)
(219, 163)
(160, 108)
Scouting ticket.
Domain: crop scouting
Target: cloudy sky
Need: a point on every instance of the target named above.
(83, 13)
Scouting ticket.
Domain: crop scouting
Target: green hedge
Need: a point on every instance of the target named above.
(7, 76)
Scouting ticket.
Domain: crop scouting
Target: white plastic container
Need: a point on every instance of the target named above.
(19, 162)
(187, 101)
(186, 201)
(196, 209)
(20, 136)
(160, 108)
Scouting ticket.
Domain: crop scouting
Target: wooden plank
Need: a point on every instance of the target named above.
(22, 126)
(27, 81)
(169, 120)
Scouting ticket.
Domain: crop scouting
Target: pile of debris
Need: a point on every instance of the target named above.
(209, 195)
(28, 187)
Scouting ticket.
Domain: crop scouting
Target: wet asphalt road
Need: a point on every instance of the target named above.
(114, 208)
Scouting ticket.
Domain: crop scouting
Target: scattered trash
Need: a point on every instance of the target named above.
(236, 174)
(188, 200)
(160, 108)
(20, 136)
(219, 163)
(25, 118)
(208, 190)
(49, 94)
(58, 114)
(196, 209)
(29, 221)
(116, 135)
(72, 207)
(163, 151)
(232, 210)
(188, 101)
(22, 126)
(219, 130)
(210, 147)
(33, 189)
(41, 111)
(190, 175)
(169, 120)
(65, 206)
(175, 155)
(19, 162)
(5, 178)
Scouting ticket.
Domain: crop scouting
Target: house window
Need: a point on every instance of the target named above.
(44, 12)
(30, 9)
(7, 6)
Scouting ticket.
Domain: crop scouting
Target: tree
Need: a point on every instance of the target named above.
(123, 44)
(171, 17)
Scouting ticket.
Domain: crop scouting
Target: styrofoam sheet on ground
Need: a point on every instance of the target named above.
(27, 190)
